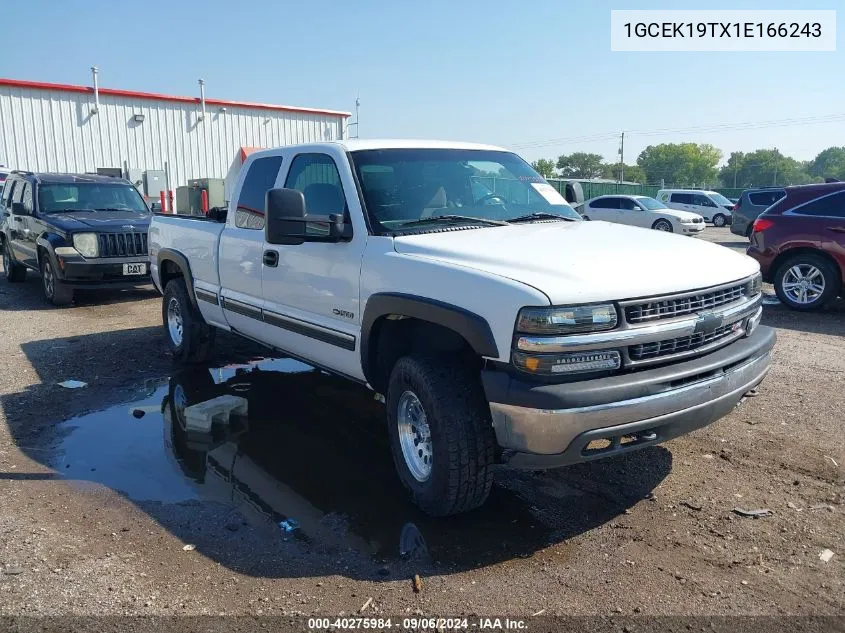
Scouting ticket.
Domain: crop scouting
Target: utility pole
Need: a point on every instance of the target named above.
(775, 181)
(622, 159)
(355, 125)
(736, 170)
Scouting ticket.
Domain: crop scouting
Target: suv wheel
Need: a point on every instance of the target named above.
(662, 225)
(189, 337)
(14, 272)
(719, 220)
(441, 436)
(55, 291)
(806, 282)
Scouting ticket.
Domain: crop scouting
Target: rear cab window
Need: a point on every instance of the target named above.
(262, 174)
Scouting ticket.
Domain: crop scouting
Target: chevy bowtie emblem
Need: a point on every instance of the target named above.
(128, 227)
(707, 323)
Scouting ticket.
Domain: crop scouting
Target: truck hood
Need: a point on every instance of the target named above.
(100, 221)
(581, 262)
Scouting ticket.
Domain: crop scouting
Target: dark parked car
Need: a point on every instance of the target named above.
(78, 231)
(800, 244)
(750, 205)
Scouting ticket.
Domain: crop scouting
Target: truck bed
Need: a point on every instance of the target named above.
(195, 237)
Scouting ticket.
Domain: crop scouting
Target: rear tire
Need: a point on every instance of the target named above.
(586, 217)
(189, 337)
(441, 435)
(15, 272)
(719, 220)
(663, 225)
(821, 282)
(56, 292)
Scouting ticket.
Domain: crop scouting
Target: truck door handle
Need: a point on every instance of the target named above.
(271, 258)
(836, 229)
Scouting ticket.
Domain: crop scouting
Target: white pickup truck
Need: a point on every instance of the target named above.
(450, 277)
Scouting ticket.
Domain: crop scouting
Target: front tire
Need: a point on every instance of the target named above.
(55, 291)
(719, 220)
(189, 337)
(663, 225)
(807, 282)
(15, 272)
(441, 435)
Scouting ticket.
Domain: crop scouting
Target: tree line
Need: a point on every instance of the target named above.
(697, 164)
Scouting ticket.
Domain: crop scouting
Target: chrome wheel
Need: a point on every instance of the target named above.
(49, 279)
(174, 321)
(180, 403)
(663, 225)
(719, 220)
(414, 436)
(803, 283)
(6, 261)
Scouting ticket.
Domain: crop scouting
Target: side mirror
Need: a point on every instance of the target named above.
(288, 222)
(18, 208)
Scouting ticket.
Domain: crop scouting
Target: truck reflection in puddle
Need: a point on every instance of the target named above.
(313, 449)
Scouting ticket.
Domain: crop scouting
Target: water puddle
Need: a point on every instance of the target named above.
(310, 461)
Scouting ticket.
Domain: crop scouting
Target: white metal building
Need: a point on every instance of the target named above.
(66, 128)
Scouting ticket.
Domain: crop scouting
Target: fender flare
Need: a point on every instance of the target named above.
(181, 262)
(473, 328)
(44, 241)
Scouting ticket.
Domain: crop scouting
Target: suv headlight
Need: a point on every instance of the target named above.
(86, 244)
(567, 320)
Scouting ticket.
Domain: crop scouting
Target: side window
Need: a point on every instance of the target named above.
(606, 203)
(828, 206)
(663, 197)
(26, 198)
(627, 204)
(17, 194)
(702, 200)
(765, 198)
(317, 177)
(249, 214)
(7, 193)
(682, 198)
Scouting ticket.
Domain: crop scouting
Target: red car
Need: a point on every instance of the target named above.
(800, 244)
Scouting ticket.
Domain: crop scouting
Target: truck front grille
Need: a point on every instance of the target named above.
(678, 345)
(658, 308)
(122, 244)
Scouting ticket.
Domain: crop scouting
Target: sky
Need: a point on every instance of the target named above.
(538, 77)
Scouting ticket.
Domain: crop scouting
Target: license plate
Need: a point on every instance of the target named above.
(134, 269)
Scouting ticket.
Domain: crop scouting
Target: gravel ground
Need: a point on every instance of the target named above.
(96, 513)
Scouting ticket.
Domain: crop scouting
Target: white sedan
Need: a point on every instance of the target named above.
(641, 211)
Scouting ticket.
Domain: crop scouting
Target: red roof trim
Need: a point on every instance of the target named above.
(40, 85)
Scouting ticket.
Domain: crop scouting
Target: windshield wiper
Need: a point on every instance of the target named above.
(453, 218)
(116, 209)
(540, 215)
(67, 210)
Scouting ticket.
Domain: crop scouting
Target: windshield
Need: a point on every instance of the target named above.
(719, 199)
(90, 197)
(650, 203)
(404, 186)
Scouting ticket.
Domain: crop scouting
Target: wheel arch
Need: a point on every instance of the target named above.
(395, 323)
(172, 264)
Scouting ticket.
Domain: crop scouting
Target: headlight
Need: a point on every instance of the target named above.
(571, 363)
(567, 320)
(86, 244)
(755, 286)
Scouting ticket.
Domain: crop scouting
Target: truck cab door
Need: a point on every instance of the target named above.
(241, 249)
(311, 290)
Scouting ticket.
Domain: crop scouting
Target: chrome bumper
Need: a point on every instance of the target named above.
(538, 438)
